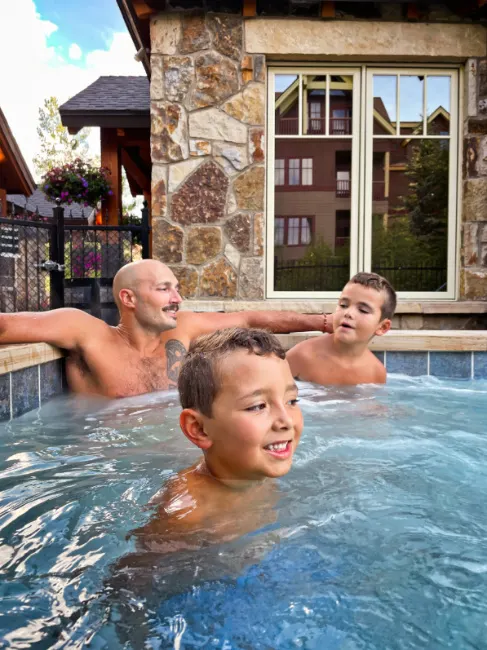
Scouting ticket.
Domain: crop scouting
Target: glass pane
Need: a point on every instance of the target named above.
(411, 102)
(341, 100)
(410, 213)
(279, 171)
(286, 104)
(385, 104)
(438, 105)
(314, 104)
(312, 225)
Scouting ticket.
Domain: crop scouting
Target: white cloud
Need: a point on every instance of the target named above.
(75, 52)
(37, 72)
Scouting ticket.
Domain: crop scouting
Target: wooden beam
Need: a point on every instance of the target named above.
(249, 8)
(3, 203)
(143, 10)
(110, 157)
(412, 11)
(328, 10)
(140, 176)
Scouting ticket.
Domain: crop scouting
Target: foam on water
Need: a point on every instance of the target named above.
(378, 540)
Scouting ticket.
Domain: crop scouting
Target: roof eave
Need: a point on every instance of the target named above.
(78, 119)
(135, 30)
(15, 157)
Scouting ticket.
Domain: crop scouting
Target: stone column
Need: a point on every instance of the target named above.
(207, 140)
(473, 277)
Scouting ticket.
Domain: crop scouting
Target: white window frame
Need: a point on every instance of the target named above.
(454, 171)
(361, 168)
(355, 73)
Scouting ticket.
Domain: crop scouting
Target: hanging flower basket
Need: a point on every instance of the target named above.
(77, 182)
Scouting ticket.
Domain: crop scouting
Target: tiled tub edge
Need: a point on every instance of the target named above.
(453, 354)
(30, 375)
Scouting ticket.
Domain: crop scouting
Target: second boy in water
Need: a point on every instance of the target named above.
(365, 309)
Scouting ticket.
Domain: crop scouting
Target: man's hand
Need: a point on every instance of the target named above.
(65, 328)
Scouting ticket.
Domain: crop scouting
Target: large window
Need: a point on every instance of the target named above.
(372, 154)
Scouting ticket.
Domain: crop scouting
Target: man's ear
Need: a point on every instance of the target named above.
(192, 425)
(384, 327)
(127, 298)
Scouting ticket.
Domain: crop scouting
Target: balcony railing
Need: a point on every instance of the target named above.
(316, 126)
(343, 189)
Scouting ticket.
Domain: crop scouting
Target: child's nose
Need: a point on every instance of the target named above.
(282, 420)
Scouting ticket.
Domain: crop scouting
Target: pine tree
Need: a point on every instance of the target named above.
(57, 146)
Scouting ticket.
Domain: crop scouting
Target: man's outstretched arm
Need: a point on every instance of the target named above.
(280, 322)
(65, 328)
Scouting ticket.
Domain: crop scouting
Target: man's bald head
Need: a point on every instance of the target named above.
(133, 274)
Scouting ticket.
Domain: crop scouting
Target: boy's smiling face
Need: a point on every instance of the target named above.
(255, 424)
(358, 316)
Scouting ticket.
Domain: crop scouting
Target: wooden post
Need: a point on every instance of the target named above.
(3, 203)
(328, 9)
(387, 173)
(249, 8)
(110, 157)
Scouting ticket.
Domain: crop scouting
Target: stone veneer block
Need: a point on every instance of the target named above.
(475, 284)
(159, 190)
(249, 189)
(203, 244)
(5, 397)
(165, 34)
(178, 172)
(249, 105)
(178, 77)
(451, 365)
(227, 33)
(386, 40)
(251, 278)
(188, 280)
(216, 79)
(475, 199)
(480, 365)
(195, 34)
(213, 124)
(51, 380)
(25, 390)
(167, 242)
(238, 231)
(219, 279)
(169, 132)
(413, 364)
(202, 198)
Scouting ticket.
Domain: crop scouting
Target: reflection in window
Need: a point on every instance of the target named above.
(293, 231)
(294, 165)
(279, 174)
(307, 171)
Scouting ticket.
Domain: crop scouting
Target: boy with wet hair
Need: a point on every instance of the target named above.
(365, 309)
(240, 408)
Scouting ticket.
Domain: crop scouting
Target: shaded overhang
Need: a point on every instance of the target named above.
(110, 102)
(138, 13)
(15, 176)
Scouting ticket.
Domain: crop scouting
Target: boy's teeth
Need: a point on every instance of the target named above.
(280, 446)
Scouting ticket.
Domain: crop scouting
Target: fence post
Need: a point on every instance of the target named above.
(145, 232)
(57, 255)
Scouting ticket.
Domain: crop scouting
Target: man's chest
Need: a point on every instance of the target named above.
(116, 372)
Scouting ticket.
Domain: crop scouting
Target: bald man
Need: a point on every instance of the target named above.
(143, 353)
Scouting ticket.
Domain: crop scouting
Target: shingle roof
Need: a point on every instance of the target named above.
(112, 94)
(39, 201)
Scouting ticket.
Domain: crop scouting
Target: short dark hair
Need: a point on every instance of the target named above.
(378, 283)
(199, 378)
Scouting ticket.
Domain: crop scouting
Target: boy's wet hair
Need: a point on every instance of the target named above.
(378, 283)
(200, 378)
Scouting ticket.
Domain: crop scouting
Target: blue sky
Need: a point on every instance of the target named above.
(89, 23)
(57, 48)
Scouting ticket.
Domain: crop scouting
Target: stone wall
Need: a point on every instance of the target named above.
(473, 278)
(207, 139)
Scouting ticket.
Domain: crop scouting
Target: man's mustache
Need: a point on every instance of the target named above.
(172, 307)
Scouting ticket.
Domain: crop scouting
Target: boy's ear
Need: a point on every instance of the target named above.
(384, 327)
(191, 423)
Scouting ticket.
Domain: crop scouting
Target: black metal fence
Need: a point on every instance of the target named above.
(296, 275)
(45, 263)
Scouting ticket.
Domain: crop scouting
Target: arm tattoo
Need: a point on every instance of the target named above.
(175, 353)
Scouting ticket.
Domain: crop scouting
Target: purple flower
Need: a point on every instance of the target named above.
(110, 193)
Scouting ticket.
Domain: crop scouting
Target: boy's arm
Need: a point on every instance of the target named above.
(65, 328)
